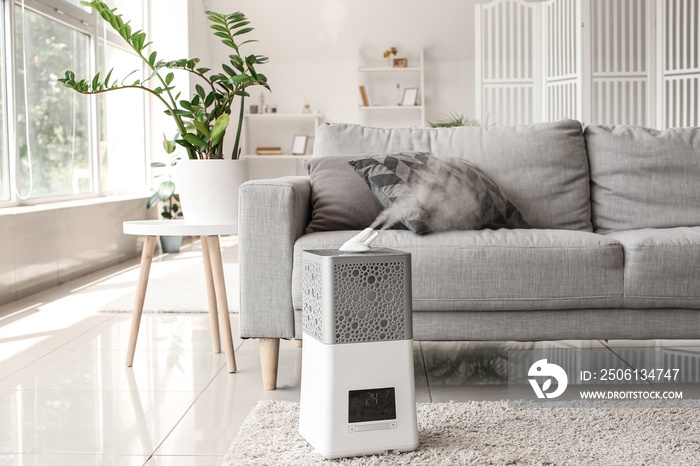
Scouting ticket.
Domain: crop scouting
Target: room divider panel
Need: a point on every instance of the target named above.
(599, 61)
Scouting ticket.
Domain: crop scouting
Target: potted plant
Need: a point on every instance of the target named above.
(208, 185)
(168, 200)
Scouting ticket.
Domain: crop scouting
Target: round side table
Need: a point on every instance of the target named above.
(213, 272)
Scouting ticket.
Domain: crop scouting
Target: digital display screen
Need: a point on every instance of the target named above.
(375, 404)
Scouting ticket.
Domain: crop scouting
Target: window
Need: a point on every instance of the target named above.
(122, 119)
(65, 144)
(53, 135)
(4, 169)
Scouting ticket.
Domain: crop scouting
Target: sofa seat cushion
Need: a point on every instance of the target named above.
(662, 267)
(497, 269)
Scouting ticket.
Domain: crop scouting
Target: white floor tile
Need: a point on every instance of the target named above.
(72, 460)
(182, 371)
(88, 422)
(185, 460)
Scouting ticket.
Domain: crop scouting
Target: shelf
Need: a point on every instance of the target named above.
(282, 115)
(391, 107)
(388, 69)
(275, 157)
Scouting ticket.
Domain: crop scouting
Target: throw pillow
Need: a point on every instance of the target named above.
(340, 199)
(430, 194)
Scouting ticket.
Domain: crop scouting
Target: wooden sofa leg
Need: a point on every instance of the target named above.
(269, 359)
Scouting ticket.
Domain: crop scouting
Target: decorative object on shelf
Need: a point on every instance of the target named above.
(269, 151)
(388, 55)
(253, 109)
(400, 63)
(270, 108)
(365, 96)
(454, 119)
(201, 121)
(307, 106)
(410, 96)
(299, 144)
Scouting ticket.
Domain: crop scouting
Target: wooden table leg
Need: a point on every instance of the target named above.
(211, 296)
(146, 258)
(217, 268)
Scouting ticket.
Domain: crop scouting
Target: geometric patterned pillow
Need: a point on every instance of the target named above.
(430, 194)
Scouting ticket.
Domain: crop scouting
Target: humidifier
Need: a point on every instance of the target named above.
(357, 382)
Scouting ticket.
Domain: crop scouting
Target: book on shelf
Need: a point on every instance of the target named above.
(364, 95)
(269, 151)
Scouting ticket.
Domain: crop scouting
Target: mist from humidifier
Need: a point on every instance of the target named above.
(429, 202)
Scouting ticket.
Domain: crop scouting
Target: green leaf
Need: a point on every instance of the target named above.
(96, 81)
(242, 31)
(219, 128)
(194, 140)
(152, 58)
(201, 127)
(218, 27)
(166, 190)
(169, 78)
(168, 145)
(158, 164)
(228, 69)
(240, 79)
(153, 200)
(200, 91)
(210, 99)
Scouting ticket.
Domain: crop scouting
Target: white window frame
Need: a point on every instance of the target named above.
(91, 24)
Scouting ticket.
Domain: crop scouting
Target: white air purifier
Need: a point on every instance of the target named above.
(357, 383)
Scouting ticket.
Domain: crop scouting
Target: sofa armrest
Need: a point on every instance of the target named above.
(272, 214)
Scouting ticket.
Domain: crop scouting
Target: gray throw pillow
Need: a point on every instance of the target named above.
(340, 199)
(431, 194)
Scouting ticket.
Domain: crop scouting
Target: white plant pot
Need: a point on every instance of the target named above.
(209, 190)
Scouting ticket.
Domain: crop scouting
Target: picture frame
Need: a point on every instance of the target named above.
(299, 144)
(400, 63)
(410, 96)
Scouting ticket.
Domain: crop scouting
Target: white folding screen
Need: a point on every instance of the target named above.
(620, 71)
(680, 70)
(632, 62)
(507, 53)
(562, 77)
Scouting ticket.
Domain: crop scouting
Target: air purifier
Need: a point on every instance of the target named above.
(357, 382)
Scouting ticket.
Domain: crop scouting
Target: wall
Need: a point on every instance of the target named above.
(314, 47)
(45, 245)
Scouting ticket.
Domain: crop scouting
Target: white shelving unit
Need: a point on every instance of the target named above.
(277, 130)
(380, 83)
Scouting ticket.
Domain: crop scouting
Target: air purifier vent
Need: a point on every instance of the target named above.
(369, 302)
(312, 303)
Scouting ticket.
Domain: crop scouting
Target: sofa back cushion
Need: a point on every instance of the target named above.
(541, 168)
(643, 178)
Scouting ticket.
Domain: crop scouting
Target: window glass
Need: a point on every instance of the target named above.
(122, 123)
(131, 11)
(78, 4)
(4, 173)
(52, 121)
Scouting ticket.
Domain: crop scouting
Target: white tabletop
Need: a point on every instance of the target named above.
(175, 228)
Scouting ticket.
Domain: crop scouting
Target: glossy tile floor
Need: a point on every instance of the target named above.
(66, 397)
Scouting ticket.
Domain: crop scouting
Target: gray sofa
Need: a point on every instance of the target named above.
(613, 252)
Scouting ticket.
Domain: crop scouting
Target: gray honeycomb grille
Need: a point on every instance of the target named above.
(312, 310)
(370, 302)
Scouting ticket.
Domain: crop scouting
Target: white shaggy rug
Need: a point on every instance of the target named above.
(491, 433)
